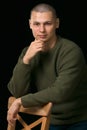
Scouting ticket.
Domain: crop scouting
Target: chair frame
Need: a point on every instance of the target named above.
(44, 112)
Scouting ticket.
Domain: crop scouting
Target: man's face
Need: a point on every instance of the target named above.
(43, 25)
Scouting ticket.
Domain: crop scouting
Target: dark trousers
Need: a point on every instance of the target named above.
(77, 126)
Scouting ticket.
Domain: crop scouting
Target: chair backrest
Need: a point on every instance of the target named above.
(43, 112)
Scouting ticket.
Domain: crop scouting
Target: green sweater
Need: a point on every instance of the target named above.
(58, 76)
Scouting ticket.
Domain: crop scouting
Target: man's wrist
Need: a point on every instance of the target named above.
(19, 101)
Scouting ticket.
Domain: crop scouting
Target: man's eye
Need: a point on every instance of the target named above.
(37, 24)
(47, 23)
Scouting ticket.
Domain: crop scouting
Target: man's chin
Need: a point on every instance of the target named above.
(42, 39)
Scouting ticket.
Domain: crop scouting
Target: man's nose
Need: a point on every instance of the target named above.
(42, 28)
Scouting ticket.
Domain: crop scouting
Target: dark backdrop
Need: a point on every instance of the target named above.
(15, 35)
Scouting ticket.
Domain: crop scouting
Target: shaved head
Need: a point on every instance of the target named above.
(44, 8)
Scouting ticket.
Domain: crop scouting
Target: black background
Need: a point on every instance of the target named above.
(15, 35)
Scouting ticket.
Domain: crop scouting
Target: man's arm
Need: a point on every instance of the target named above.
(19, 84)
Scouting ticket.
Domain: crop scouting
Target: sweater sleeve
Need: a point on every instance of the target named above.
(70, 67)
(19, 83)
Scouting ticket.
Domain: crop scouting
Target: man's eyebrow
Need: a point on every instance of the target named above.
(41, 22)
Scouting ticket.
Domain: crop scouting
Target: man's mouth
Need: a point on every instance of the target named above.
(42, 36)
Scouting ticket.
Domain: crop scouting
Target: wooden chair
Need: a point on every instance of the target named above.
(43, 113)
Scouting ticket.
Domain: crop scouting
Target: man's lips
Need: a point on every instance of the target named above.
(42, 36)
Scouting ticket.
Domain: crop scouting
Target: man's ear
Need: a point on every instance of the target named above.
(57, 23)
(30, 23)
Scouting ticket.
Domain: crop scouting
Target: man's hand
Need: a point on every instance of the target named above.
(35, 47)
(13, 111)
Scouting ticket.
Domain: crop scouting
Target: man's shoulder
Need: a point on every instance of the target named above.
(68, 43)
(24, 49)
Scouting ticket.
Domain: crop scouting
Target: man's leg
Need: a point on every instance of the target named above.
(57, 127)
(78, 126)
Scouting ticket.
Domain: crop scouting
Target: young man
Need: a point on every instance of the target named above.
(51, 69)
